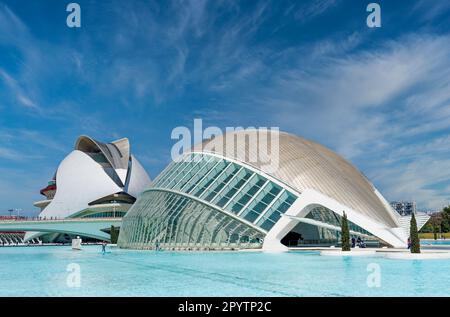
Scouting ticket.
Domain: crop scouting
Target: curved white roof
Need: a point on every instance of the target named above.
(80, 180)
(303, 164)
(92, 171)
(117, 152)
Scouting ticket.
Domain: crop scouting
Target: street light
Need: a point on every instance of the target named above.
(18, 210)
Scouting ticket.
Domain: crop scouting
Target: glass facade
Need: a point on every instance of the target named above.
(167, 220)
(305, 234)
(207, 202)
(229, 186)
(325, 215)
(167, 215)
(107, 214)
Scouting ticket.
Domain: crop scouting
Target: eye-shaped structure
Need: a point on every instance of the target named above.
(96, 179)
(259, 189)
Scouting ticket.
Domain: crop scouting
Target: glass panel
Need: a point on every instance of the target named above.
(280, 206)
(246, 194)
(209, 178)
(177, 222)
(220, 182)
(230, 189)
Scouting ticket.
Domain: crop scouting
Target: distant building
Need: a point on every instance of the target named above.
(430, 212)
(404, 208)
(96, 180)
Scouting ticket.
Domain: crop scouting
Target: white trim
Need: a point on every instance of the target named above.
(186, 174)
(204, 176)
(282, 191)
(253, 198)
(204, 202)
(196, 173)
(202, 195)
(311, 199)
(252, 168)
(240, 168)
(326, 225)
(238, 191)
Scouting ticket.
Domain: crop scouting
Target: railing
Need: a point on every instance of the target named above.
(327, 242)
(57, 219)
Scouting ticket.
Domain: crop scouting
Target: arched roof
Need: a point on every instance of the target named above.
(303, 164)
(117, 152)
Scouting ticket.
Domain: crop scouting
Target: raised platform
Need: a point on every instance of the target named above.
(353, 252)
(417, 256)
(396, 254)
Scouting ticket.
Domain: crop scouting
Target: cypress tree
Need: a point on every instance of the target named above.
(114, 234)
(345, 234)
(414, 235)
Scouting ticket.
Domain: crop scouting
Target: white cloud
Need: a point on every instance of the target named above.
(371, 106)
(309, 11)
(9, 154)
(17, 91)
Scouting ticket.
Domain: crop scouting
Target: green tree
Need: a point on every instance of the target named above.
(345, 234)
(445, 216)
(114, 234)
(434, 224)
(414, 235)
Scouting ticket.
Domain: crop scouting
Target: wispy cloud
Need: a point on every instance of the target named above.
(309, 10)
(372, 105)
(429, 10)
(9, 154)
(17, 91)
(380, 100)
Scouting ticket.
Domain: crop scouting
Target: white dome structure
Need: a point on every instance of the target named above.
(259, 189)
(95, 180)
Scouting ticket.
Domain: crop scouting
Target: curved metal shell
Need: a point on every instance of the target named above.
(302, 164)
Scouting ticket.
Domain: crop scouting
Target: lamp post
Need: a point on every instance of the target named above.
(16, 210)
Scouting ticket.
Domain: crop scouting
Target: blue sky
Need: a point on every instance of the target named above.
(379, 97)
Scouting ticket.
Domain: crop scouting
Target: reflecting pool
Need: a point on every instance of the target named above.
(56, 271)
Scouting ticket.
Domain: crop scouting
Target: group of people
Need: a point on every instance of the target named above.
(358, 242)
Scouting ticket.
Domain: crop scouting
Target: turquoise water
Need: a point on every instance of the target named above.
(42, 271)
(435, 242)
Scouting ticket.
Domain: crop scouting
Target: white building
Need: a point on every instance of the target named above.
(221, 195)
(95, 180)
